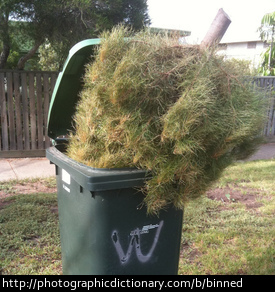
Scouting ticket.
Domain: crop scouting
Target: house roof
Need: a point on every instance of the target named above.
(241, 41)
(250, 37)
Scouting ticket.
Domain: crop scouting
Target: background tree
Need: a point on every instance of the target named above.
(5, 14)
(267, 32)
(64, 23)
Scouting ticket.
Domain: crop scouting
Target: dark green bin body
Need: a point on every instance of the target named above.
(104, 227)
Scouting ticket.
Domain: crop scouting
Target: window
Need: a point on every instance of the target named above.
(251, 45)
(266, 45)
(222, 47)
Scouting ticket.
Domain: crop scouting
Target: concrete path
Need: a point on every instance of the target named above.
(266, 151)
(22, 168)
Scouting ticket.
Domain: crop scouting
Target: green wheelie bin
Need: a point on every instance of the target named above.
(104, 226)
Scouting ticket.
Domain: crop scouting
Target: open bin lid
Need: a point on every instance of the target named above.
(60, 121)
(67, 87)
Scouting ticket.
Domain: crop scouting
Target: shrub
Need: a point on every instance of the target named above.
(180, 112)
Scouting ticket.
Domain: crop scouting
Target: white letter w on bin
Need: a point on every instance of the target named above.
(135, 242)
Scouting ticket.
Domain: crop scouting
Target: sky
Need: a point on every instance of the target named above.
(197, 15)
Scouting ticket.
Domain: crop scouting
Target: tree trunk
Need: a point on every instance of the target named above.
(29, 55)
(4, 56)
(5, 37)
(216, 30)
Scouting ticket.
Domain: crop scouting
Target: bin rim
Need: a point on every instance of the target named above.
(97, 179)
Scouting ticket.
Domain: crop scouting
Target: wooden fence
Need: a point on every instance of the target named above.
(268, 85)
(24, 104)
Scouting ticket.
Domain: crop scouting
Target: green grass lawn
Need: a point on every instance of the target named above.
(230, 230)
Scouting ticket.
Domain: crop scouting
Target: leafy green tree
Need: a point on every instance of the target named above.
(51, 56)
(64, 22)
(5, 13)
(93, 17)
(267, 32)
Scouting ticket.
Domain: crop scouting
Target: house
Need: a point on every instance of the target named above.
(249, 49)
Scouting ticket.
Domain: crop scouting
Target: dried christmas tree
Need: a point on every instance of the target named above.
(179, 111)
